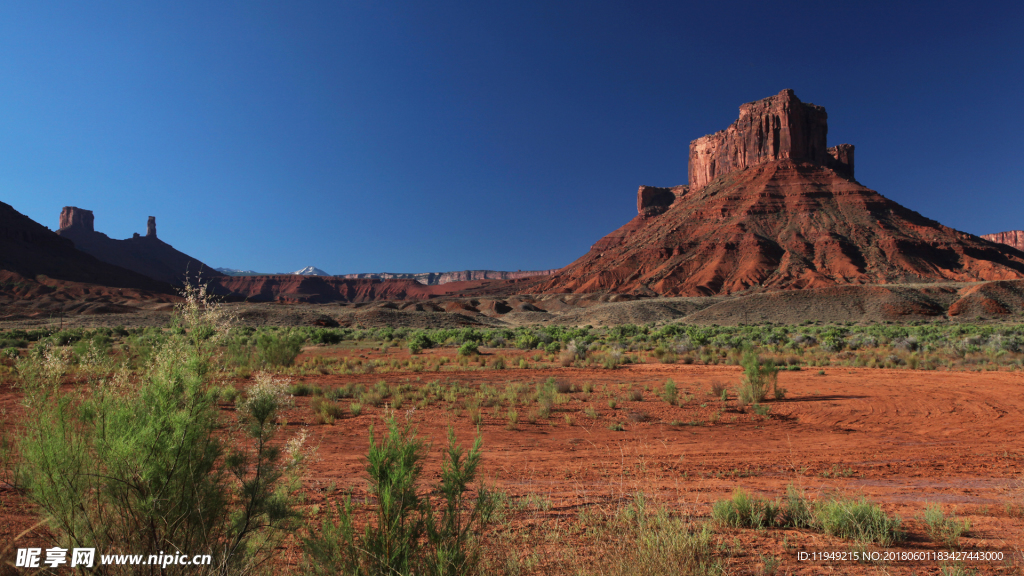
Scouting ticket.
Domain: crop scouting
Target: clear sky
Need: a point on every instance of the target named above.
(428, 136)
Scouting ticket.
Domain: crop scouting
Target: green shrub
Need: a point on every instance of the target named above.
(325, 411)
(468, 349)
(758, 378)
(746, 511)
(943, 529)
(513, 418)
(303, 389)
(407, 535)
(143, 469)
(858, 520)
(419, 341)
(327, 336)
(798, 512)
(671, 393)
(656, 544)
(527, 341)
(277, 350)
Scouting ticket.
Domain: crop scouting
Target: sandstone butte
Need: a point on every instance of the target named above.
(1013, 238)
(769, 205)
(147, 255)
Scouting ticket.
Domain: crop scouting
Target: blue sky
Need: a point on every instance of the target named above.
(430, 136)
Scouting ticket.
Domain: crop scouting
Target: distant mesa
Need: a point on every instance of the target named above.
(436, 278)
(311, 271)
(147, 255)
(1013, 238)
(426, 278)
(768, 205)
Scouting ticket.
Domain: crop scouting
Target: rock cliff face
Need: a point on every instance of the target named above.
(77, 218)
(777, 128)
(1013, 238)
(147, 255)
(28, 249)
(651, 200)
(770, 207)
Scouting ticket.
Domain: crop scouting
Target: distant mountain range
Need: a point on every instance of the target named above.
(427, 278)
(307, 271)
(233, 272)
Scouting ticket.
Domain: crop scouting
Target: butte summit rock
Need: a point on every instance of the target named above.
(770, 205)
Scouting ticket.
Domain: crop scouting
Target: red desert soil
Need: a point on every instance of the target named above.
(903, 438)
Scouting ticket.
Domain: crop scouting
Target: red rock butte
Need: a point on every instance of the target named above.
(769, 205)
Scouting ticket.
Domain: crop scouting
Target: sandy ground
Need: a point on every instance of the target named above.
(902, 438)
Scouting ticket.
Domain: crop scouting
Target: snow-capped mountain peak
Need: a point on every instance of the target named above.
(311, 271)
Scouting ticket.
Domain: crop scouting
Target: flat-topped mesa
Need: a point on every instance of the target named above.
(72, 217)
(776, 128)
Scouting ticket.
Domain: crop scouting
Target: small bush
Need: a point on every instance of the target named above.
(671, 393)
(277, 350)
(638, 417)
(746, 511)
(758, 377)
(513, 418)
(325, 411)
(858, 520)
(303, 389)
(419, 341)
(468, 348)
(355, 408)
(635, 395)
(798, 512)
(717, 388)
(410, 535)
(943, 529)
(372, 398)
(653, 543)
